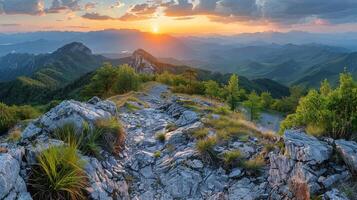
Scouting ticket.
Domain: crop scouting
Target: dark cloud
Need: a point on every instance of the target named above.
(61, 5)
(29, 7)
(278, 11)
(97, 16)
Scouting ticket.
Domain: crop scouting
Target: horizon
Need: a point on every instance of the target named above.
(180, 17)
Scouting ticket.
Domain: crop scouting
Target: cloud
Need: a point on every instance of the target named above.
(61, 5)
(89, 6)
(275, 11)
(29, 7)
(10, 25)
(97, 16)
(117, 4)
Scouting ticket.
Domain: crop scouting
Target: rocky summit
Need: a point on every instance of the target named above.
(298, 166)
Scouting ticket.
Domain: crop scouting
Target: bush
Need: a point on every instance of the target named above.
(11, 115)
(327, 112)
(59, 175)
(7, 118)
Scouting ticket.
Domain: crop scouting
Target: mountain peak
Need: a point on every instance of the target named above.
(75, 47)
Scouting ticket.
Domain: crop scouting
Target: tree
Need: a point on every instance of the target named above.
(191, 76)
(330, 112)
(212, 89)
(267, 100)
(254, 105)
(128, 79)
(103, 83)
(233, 92)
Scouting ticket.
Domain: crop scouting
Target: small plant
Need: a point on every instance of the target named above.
(232, 158)
(113, 135)
(157, 154)
(253, 166)
(200, 133)
(315, 130)
(59, 174)
(131, 107)
(222, 110)
(268, 147)
(171, 127)
(205, 148)
(161, 137)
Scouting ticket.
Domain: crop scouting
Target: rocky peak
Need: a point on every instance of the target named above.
(143, 61)
(74, 47)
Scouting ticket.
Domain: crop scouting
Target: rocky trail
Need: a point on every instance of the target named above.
(295, 166)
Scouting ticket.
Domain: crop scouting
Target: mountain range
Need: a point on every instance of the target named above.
(28, 78)
(288, 58)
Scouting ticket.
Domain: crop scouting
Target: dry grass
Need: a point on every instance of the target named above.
(205, 148)
(200, 133)
(14, 135)
(161, 137)
(232, 158)
(3, 150)
(254, 165)
(113, 135)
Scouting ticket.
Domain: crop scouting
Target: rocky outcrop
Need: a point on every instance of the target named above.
(71, 112)
(348, 152)
(305, 148)
(12, 185)
(305, 167)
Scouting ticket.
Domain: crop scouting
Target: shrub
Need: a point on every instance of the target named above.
(7, 118)
(232, 158)
(161, 137)
(113, 135)
(59, 175)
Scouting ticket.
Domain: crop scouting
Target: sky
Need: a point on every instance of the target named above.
(183, 17)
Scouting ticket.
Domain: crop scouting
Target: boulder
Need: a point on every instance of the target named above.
(12, 185)
(242, 189)
(71, 112)
(187, 117)
(301, 147)
(348, 151)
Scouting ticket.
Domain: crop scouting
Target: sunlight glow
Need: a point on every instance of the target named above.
(156, 29)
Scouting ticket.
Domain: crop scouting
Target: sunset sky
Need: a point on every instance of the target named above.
(179, 16)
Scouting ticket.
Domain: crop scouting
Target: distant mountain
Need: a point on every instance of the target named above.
(329, 70)
(101, 42)
(31, 77)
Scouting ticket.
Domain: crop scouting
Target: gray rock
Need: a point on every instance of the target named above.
(187, 117)
(348, 151)
(30, 131)
(280, 169)
(33, 150)
(302, 147)
(11, 183)
(235, 173)
(242, 190)
(71, 112)
(334, 194)
(181, 182)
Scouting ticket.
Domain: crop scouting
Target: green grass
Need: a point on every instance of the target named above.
(131, 107)
(113, 135)
(157, 154)
(59, 174)
(161, 137)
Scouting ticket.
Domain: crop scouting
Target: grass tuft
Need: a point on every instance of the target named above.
(200, 133)
(232, 158)
(14, 135)
(206, 148)
(157, 154)
(161, 137)
(113, 135)
(59, 175)
(254, 165)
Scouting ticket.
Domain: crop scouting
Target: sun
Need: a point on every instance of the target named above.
(156, 29)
